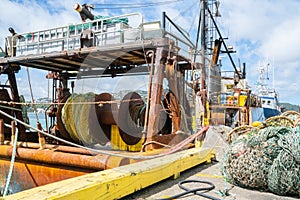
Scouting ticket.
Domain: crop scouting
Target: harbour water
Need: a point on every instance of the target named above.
(33, 119)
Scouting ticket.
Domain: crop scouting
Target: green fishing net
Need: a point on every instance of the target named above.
(268, 160)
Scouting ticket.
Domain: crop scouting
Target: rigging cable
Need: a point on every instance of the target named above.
(184, 11)
(31, 94)
(192, 24)
(198, 33)
(189, 11)
(132, 5)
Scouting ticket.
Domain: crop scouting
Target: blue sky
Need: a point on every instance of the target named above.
(259, 30)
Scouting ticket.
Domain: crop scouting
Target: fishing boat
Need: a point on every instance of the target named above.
(100, 140)
(269, 96)
(95, 143)
(235, 105)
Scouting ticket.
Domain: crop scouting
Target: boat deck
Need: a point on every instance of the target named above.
(94, 46)
(89, 58)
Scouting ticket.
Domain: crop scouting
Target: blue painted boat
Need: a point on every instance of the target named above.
(269, 96)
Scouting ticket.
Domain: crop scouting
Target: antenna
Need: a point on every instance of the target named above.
(268, 64)
(244, 71)
(273, 71)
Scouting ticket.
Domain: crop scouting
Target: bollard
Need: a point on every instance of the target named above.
(1, 132)
(42, 141)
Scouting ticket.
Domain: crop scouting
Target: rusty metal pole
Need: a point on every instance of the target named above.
(204, 90)
(171, 75)
(203, 45)
(1, 132)
(156, 92)
(63, 160)
(42, 141)
(149, 90)
(16, 98)
(13, 132)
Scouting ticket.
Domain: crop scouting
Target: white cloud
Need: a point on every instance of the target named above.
(32, 16)
(283, 41)
(266, 30)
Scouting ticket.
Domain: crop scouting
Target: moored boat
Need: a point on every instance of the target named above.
(97, 135)
(269, 96)
(92, 130)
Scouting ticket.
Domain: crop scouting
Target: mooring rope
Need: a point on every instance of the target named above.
(10, 108)
(12, 163)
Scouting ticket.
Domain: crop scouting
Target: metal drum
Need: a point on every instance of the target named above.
(106, 111)
(131, 118)
(82, 120)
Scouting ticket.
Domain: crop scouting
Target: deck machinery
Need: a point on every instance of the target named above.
(112, 48)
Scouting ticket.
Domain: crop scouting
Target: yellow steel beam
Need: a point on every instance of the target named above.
(121, 181)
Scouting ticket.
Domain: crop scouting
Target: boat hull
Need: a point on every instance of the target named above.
(28, 175)
(269, 112)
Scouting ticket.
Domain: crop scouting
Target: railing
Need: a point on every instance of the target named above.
(238, 98)
(106, 31)
(181, 37)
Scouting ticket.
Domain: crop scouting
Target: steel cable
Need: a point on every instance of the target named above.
(132, 5)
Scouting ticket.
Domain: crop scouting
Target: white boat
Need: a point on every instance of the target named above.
(269, 96)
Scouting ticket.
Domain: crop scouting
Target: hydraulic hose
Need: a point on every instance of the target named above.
(197, 191)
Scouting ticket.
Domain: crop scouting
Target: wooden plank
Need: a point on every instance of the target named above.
(55, 64)
(119, 182)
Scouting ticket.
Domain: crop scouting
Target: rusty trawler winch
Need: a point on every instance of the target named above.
(90, 119)
(102, 124)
